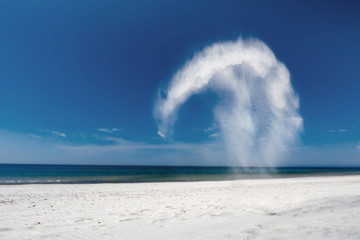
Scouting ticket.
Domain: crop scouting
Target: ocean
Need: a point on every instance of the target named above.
(68, 174)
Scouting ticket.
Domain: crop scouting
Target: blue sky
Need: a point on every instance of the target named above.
(79, 79)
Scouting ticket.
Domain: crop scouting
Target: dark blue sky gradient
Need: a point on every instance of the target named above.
(76, 66)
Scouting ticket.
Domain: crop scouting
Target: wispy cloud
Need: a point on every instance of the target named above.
(58, 134)
(55, 133)
(34, 135)
(243, 73)
(214, 135)
(160, 134)
(108, 130)
(210, 129)
(339, 130)
(22, 148)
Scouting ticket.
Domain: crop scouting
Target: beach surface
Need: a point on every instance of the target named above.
(286, 208)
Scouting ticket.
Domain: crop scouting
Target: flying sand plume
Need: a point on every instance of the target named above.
(258, 110)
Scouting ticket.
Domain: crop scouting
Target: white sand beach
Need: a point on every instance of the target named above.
(295, 208)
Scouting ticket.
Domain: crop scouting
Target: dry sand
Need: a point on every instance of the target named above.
(296, 208)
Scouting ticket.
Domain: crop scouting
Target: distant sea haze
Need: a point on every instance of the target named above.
(70, 174)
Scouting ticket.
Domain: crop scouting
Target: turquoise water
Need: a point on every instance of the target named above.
(56, 174)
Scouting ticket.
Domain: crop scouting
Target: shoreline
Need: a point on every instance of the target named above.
(164, 178)
(325, 207)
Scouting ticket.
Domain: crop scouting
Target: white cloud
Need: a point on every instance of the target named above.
(21, 148)
(160, 134)
(210, 129)
(339, 130)
(108, 130)
(58, 134)
(247, 76)
(34, 136)
(214, 135)
(55, 133)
